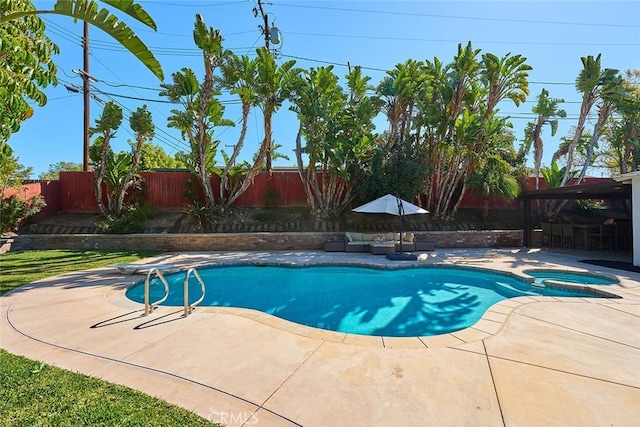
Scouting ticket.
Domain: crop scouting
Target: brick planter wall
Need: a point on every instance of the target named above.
(247, 241)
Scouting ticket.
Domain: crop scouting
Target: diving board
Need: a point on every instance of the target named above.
(130, 268)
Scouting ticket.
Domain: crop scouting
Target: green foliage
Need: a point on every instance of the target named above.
(89, 11)
(12, 173)
(27, 65)
(53, 173)
(271, 198)
(14, 210)
(588, 206)
(622, 130)
(448, 113)
(202, 216)
(337, 127)
(201, 111)
(119, 172)
(402, 171)
(130, 220)
(154, 157)
(35, 394)
(20, 268)
(554, 175)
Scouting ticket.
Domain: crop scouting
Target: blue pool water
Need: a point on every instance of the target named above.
(356, 300)
(569, 277)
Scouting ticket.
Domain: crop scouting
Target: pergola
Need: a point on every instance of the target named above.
(608, 190)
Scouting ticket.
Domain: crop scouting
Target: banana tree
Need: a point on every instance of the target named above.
(102, 18)
(494, 176)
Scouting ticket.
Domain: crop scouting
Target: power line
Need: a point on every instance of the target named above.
(415, 39)
(199, 5)
(473, 18)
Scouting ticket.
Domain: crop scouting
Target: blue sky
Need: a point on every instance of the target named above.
(376, 35)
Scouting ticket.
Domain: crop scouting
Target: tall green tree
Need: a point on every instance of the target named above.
(548, 112)
(337, 129)
(452, 116)
(102, 18)
(154, 157)
(622, 131)
(27, 67)
(106, 126)
(588, 84)
(117, 171)
(273, 85)
(201, 111)
(53, 173)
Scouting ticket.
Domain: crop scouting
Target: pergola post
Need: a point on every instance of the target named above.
(635, 219)
(526, 232)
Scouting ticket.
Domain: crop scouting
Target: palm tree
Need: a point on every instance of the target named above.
(548, 114)
(90, 12)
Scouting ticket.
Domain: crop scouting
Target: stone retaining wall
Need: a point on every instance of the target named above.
(246, 241)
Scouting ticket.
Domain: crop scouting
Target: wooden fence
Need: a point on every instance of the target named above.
(73, 193)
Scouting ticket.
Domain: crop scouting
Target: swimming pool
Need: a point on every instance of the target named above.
(575, 277)
(358, 300)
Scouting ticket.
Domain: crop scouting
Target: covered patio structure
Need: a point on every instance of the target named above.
(607, 190)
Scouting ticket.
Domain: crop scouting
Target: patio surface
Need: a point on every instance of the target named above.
(527, 362)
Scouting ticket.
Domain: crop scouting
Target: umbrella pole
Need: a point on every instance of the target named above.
(400, 214)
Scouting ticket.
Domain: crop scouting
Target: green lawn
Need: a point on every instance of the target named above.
(18, 268)
(36, 394)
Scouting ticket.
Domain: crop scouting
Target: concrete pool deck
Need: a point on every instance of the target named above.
(528, 361)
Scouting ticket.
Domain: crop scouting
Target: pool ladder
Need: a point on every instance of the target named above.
(188, 308)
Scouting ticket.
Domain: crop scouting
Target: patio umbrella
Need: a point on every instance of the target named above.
(393, 205)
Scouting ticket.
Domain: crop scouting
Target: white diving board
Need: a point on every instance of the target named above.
(130, 268)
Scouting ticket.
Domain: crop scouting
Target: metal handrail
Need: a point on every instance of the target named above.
(149, 307)
(189, 308)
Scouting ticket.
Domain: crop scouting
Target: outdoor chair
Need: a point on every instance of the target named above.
(605, 237)
(546, 234)
(556, 234)
(568, 238)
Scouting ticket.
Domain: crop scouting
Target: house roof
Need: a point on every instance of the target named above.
(597, 190)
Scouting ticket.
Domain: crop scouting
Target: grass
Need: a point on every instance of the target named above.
(36, 394)
(18, 268)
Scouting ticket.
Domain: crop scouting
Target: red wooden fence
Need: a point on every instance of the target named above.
(50, 190)
(73, 193)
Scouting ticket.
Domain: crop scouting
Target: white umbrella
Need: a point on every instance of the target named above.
(392, 205)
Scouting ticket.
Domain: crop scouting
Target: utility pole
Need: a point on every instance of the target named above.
(86, 87)
(265, 29)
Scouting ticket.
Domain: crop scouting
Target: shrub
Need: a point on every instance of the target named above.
(14, 210)
(130, 221)
(201, 216)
